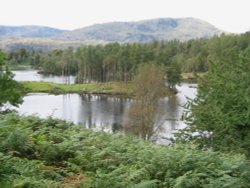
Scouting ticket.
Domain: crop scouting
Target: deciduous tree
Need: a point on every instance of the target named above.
(149, 86)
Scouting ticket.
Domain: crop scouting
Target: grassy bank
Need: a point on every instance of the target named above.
(20, 67)
(191, 77)
(114, 88)
(45, 153)
(110, 88)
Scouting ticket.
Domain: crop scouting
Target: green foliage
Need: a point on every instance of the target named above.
(66, 155)
(149, 86)
(9, 88)
(173, 75)
(23, 57)
(119, 62)
(220, 115)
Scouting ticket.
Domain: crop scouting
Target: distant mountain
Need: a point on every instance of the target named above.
(28, 32)
(144, 31)
(46, 38)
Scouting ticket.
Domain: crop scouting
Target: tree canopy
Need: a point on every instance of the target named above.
(119, 62)
(9, 88)
(149, 86)
(220, 115)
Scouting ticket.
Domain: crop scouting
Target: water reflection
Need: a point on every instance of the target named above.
(32, 75)
(102, 112)
(106, 113)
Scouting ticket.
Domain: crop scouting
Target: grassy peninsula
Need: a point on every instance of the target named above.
(114, 88)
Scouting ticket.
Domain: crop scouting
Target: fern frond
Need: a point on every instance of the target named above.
(146, 184)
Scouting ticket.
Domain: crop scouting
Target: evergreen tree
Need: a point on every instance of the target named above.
(220, 116)
(9, 92)
(173, 75)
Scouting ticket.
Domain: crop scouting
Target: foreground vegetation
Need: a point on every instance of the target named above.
(38, 152)
(9, 89)
(219, 117)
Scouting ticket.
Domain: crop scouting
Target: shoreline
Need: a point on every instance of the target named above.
(109, 88)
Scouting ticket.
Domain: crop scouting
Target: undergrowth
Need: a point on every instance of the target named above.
(52, 153)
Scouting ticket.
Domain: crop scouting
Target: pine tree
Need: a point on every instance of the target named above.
(9, 88)
(220, 115)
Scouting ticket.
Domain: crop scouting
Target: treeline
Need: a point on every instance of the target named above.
(118, 62)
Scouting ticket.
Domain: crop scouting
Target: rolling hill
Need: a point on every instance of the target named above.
(144, 31)
(12, 37)
(28, 31)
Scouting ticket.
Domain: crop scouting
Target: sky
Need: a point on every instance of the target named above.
(227, 15)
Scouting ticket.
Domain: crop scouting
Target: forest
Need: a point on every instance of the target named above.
(119, 62)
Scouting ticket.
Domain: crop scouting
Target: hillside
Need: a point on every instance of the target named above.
(44, 44)
(28, 31)
(46, 38)
(144, 31)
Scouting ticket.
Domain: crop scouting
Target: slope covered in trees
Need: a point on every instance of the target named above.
(119, 62)
(41, 37)
(166, 29)
(28, 31)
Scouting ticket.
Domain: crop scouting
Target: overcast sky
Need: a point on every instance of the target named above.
(227, 15)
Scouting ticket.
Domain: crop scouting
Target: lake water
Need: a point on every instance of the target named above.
(32, 75)
(102, 112)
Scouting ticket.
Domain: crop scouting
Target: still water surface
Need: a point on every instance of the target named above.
(32, 75)
(102, 112)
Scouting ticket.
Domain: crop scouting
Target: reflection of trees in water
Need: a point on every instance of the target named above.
(141, 120)
(118, 107)
(153, 121)
(85, 111)
(116, 127)
(102, 112)
(172, 114)
(115, 113)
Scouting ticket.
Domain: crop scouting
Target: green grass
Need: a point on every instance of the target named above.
(114, 88)
(190, 76)
(20, 67)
